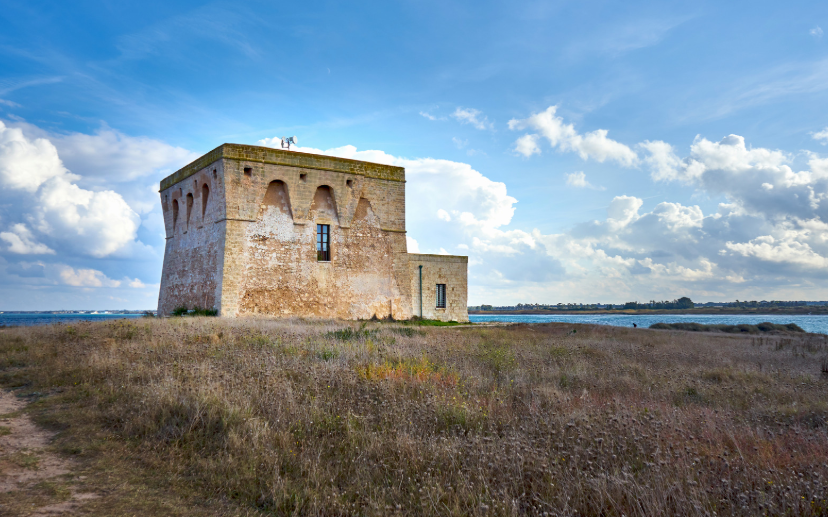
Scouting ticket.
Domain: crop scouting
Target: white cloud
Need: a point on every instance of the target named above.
(85, 278)
(118, 157)
(789, 249)
(473, 117)
(677, 217)
(442, 214)
(25, 164)
(821, 136)
(816, 32)
(43, 192)
(578, 180)
(662, 160)
(459, 143)
(527, 145)
(593, 145)
(136, 283)
(412, 245)
(21, 241)
(622, 210)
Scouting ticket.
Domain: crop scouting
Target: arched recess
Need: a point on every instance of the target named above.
(277, 196)
(189, 207)
(205, 196)
(324, 203)
(175, 213)
(364, 212)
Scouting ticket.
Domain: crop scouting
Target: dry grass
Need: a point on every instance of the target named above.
(254, 417)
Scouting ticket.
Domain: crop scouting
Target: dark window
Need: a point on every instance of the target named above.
(248, 171)
(323, 242)
(441, 296)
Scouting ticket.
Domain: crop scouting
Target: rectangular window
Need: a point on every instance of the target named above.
(441, 296)
(323, 242)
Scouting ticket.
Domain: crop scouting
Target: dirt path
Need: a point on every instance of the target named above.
(31, 475)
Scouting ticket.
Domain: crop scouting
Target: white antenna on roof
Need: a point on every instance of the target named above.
(287, 140)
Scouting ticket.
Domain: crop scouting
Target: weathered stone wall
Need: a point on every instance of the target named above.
(251, 249)
(194, 241)
(440, 269)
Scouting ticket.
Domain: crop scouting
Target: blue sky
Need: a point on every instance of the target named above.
(576, 151)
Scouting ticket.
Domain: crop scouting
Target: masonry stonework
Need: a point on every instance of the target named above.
(241, 226)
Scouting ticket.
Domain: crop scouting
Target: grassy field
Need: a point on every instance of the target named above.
(204, 416)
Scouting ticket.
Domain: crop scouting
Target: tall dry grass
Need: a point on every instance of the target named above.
(306, 418)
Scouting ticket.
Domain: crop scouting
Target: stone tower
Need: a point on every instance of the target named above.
(255, 230)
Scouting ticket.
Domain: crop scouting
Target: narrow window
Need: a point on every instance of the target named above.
(175, 213)
(189, 208)
(205, 195)
(323, 242)
(441, 296)
(248, 171)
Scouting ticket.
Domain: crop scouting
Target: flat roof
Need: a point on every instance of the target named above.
(255, 153)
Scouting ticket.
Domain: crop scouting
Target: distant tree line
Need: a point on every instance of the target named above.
(682, 303)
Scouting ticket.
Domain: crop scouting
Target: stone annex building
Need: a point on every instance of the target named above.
(255, 230)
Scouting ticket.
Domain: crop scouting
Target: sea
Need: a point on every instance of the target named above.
(12, 319)
(810, 323)
(817, 324)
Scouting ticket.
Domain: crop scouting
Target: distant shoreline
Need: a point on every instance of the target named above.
(802, 311)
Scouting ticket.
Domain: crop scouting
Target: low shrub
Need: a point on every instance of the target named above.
(196, 311)
(730, 329)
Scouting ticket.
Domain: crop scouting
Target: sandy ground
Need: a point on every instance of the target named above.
(25, 460)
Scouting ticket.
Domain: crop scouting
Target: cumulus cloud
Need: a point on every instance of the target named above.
(473, 117)
(44, 193)
(136, 283)
(594, 145)
(25, 164)
(821, 136)
(21, 241)
(527, 145)
(816, 32)
(85, 278)
(758, 180)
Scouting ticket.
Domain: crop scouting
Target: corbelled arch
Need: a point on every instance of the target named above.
(364, 212)
(324, 203)
(277, 196)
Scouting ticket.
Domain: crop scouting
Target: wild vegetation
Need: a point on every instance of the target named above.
(204, 416)
(731, 329)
